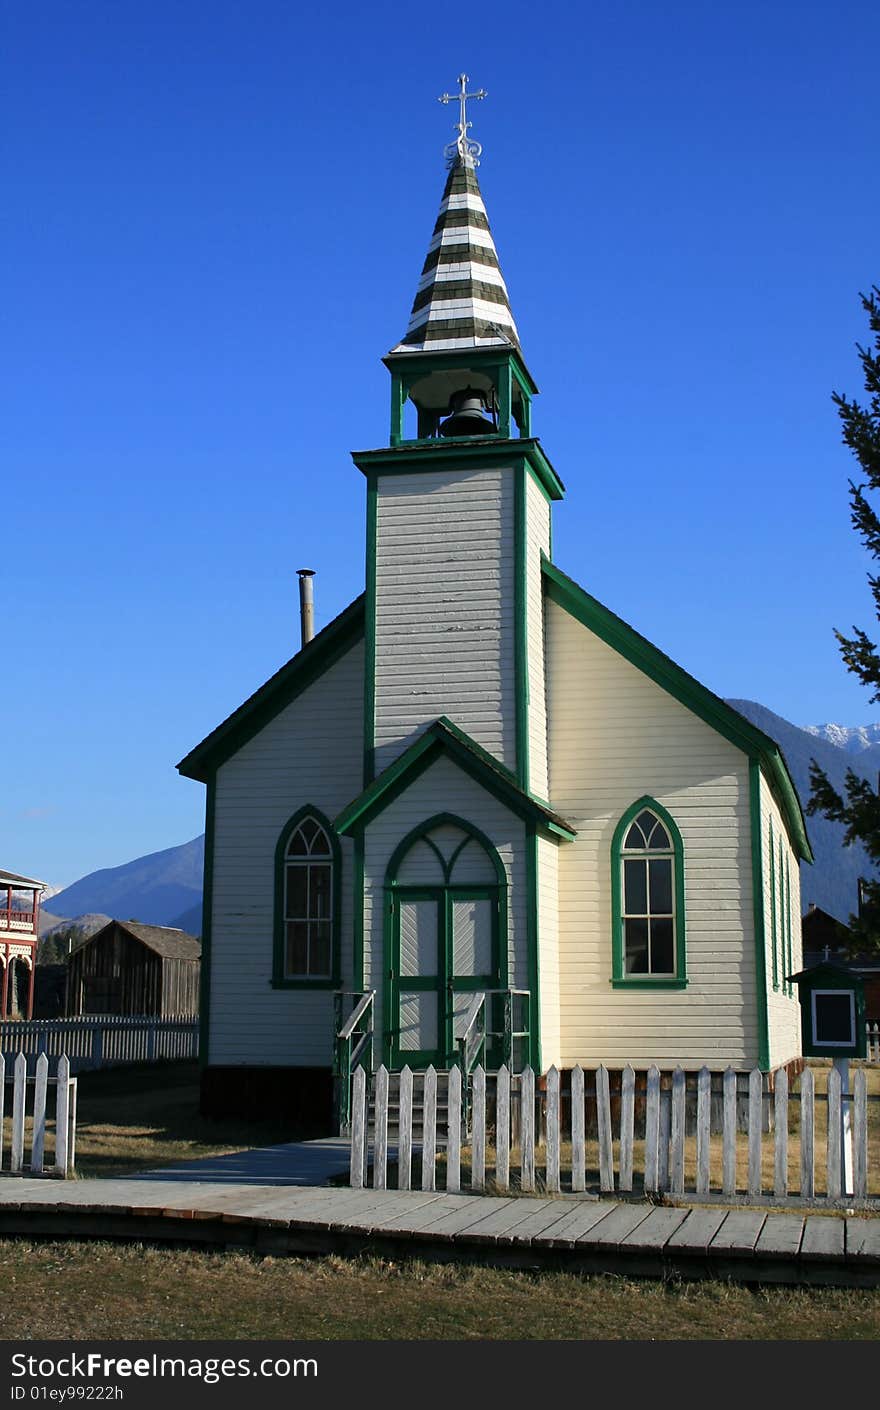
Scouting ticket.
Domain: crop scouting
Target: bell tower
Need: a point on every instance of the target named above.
(458, 506)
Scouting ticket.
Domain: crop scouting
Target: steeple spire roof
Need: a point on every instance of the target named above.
(461, 299)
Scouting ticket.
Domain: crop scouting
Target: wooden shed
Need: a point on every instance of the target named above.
(129, 968)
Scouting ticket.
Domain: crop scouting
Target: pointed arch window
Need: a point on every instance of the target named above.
(647, 887)
(307, 892)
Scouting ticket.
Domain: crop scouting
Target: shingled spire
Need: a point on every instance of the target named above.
(461, 300)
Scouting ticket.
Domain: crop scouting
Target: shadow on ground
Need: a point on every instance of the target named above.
(290, 1163)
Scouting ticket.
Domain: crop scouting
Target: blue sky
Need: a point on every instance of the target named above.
(215, 216)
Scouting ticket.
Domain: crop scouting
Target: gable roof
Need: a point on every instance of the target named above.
(443, 737)
(9, 878)
(323, 651)
(697, 698)
(161, 939)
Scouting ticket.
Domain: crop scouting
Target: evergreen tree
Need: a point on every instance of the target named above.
(859, 809)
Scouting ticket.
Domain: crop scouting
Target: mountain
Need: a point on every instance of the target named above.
(855, 739)
(190, 920)
(155, 889)
(832, 880)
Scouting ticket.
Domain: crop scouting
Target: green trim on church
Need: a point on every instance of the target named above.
(443, 737)
(619, 977)
(521, 627)
(370, 633)
(207, 909)
(762, 998)
(488, 452)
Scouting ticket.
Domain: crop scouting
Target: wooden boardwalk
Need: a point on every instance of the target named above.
(585, 1235)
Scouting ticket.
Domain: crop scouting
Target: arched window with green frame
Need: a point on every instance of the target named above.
(308, 891)
(647, 900)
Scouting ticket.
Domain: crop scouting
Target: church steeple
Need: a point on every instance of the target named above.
(460, 356)
(461, 300)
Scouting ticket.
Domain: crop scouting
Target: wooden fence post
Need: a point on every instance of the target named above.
(780, 1135)
(652, 1131)
(704, 1122)
(404, 1131)
(478, 1138)
(502, 1128)
(380, 1129)
(18, 1097)
(71, 1123)
(833, 1163)
(527, 1128)
(358, 1129)
(679, 1112)
(728, 1132)
(429, 1131)
(860, 1134)
(627, 1120)
(453, 1132)
(62, 1116)
(808, 1157)
(603, 1126)
(40, 1090)
(756, 1115)
(578, 1136)
(552, 1122)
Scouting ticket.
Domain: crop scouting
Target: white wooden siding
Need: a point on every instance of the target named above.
(616, 736)
(783, 1010)
(442, 788)
(312, 752)
(445, 608)
(537, 542)
(548, 952)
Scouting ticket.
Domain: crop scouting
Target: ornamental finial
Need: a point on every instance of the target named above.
(463, 149)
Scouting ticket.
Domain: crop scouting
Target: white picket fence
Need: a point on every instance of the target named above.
(102, 1041)
(668, 1146)
(41, 1084)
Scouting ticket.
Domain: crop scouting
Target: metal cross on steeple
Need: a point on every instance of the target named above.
(463, 148)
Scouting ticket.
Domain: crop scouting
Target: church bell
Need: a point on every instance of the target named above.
(466, 417)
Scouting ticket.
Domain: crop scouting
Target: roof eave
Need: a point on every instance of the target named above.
(688, 690)
(332, 642)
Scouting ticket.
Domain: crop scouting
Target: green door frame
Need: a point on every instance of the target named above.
(445, 983)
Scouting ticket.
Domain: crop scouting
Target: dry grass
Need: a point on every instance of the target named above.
(135, 1118)
(77, 1292)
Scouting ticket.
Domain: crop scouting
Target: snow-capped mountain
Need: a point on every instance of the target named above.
(832, 881)
(853, 738)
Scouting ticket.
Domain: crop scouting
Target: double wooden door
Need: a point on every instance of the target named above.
(444, 950)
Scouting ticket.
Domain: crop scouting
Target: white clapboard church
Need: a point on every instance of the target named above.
(479, 781)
